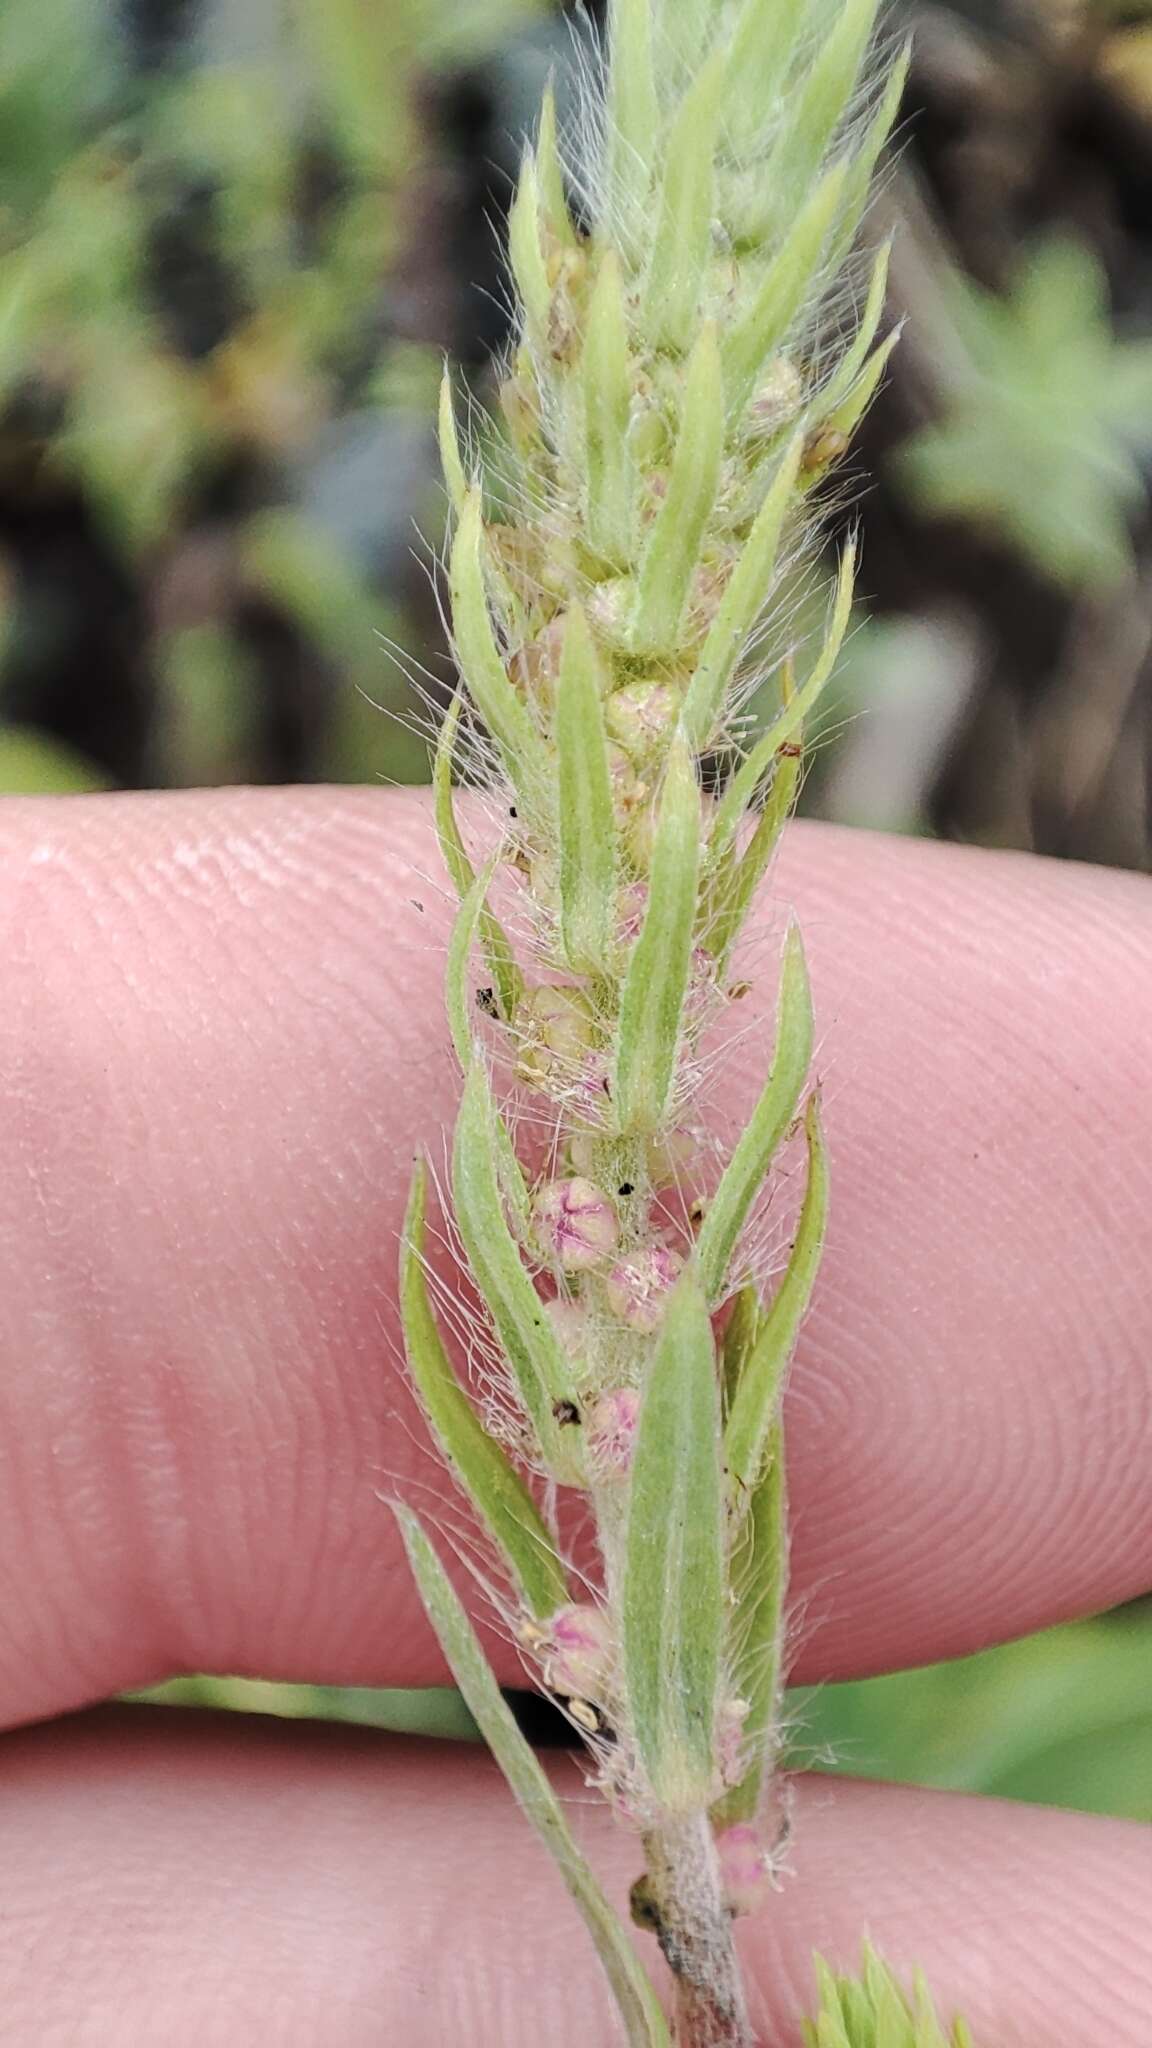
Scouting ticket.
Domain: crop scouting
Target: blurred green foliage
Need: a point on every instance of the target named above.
(1063, 1718)
(1047, 411)
(285, 179)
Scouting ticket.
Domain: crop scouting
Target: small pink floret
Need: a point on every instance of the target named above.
(582, 1647)
(637, 1286)
(575, 1223)
(612, 1428)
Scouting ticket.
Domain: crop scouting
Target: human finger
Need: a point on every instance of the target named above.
(222, 1042)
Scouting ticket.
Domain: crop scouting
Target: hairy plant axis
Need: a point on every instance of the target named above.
(698, 332)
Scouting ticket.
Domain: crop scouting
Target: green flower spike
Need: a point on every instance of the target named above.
(684, 368)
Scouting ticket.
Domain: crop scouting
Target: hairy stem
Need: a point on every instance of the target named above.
(682, 1896)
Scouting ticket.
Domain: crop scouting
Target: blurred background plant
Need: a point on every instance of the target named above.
(236, 239)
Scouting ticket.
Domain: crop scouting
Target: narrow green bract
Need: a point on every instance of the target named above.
(644, 2024)
(740, 605)
(757, 1398)
(607, 398)
(534, 1354)
(683, 240)
(503, 711)
(673, 549)
(589, 878)
(497, 948)
(783, 290)
(482, 1468)
(656, 983)
(744, 1174)
(673, 1592)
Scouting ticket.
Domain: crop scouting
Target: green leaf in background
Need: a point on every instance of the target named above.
(1063, 1718)
(300, 568)
(208, 709)
(437, 1712)
(481, 1466)
(744, 1174)
(644, 2022)
(31, 764)
(672, 1598)
(1044, 419)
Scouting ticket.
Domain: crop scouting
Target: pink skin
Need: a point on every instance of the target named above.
(214, 1087)
(745, 1871)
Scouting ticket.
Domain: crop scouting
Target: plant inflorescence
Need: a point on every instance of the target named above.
(697, 337)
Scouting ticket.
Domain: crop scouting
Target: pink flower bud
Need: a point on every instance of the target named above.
(745, 1867)
(580, 1660)
(611, 1429)
(636, 1287)
(575, 1223)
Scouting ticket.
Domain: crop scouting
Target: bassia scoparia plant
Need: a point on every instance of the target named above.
(696, 338)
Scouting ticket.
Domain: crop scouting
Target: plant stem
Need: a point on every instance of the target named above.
(694, 1929)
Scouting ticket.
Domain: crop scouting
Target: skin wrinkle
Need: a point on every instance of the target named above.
(295, 1885)
(289, 1056)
